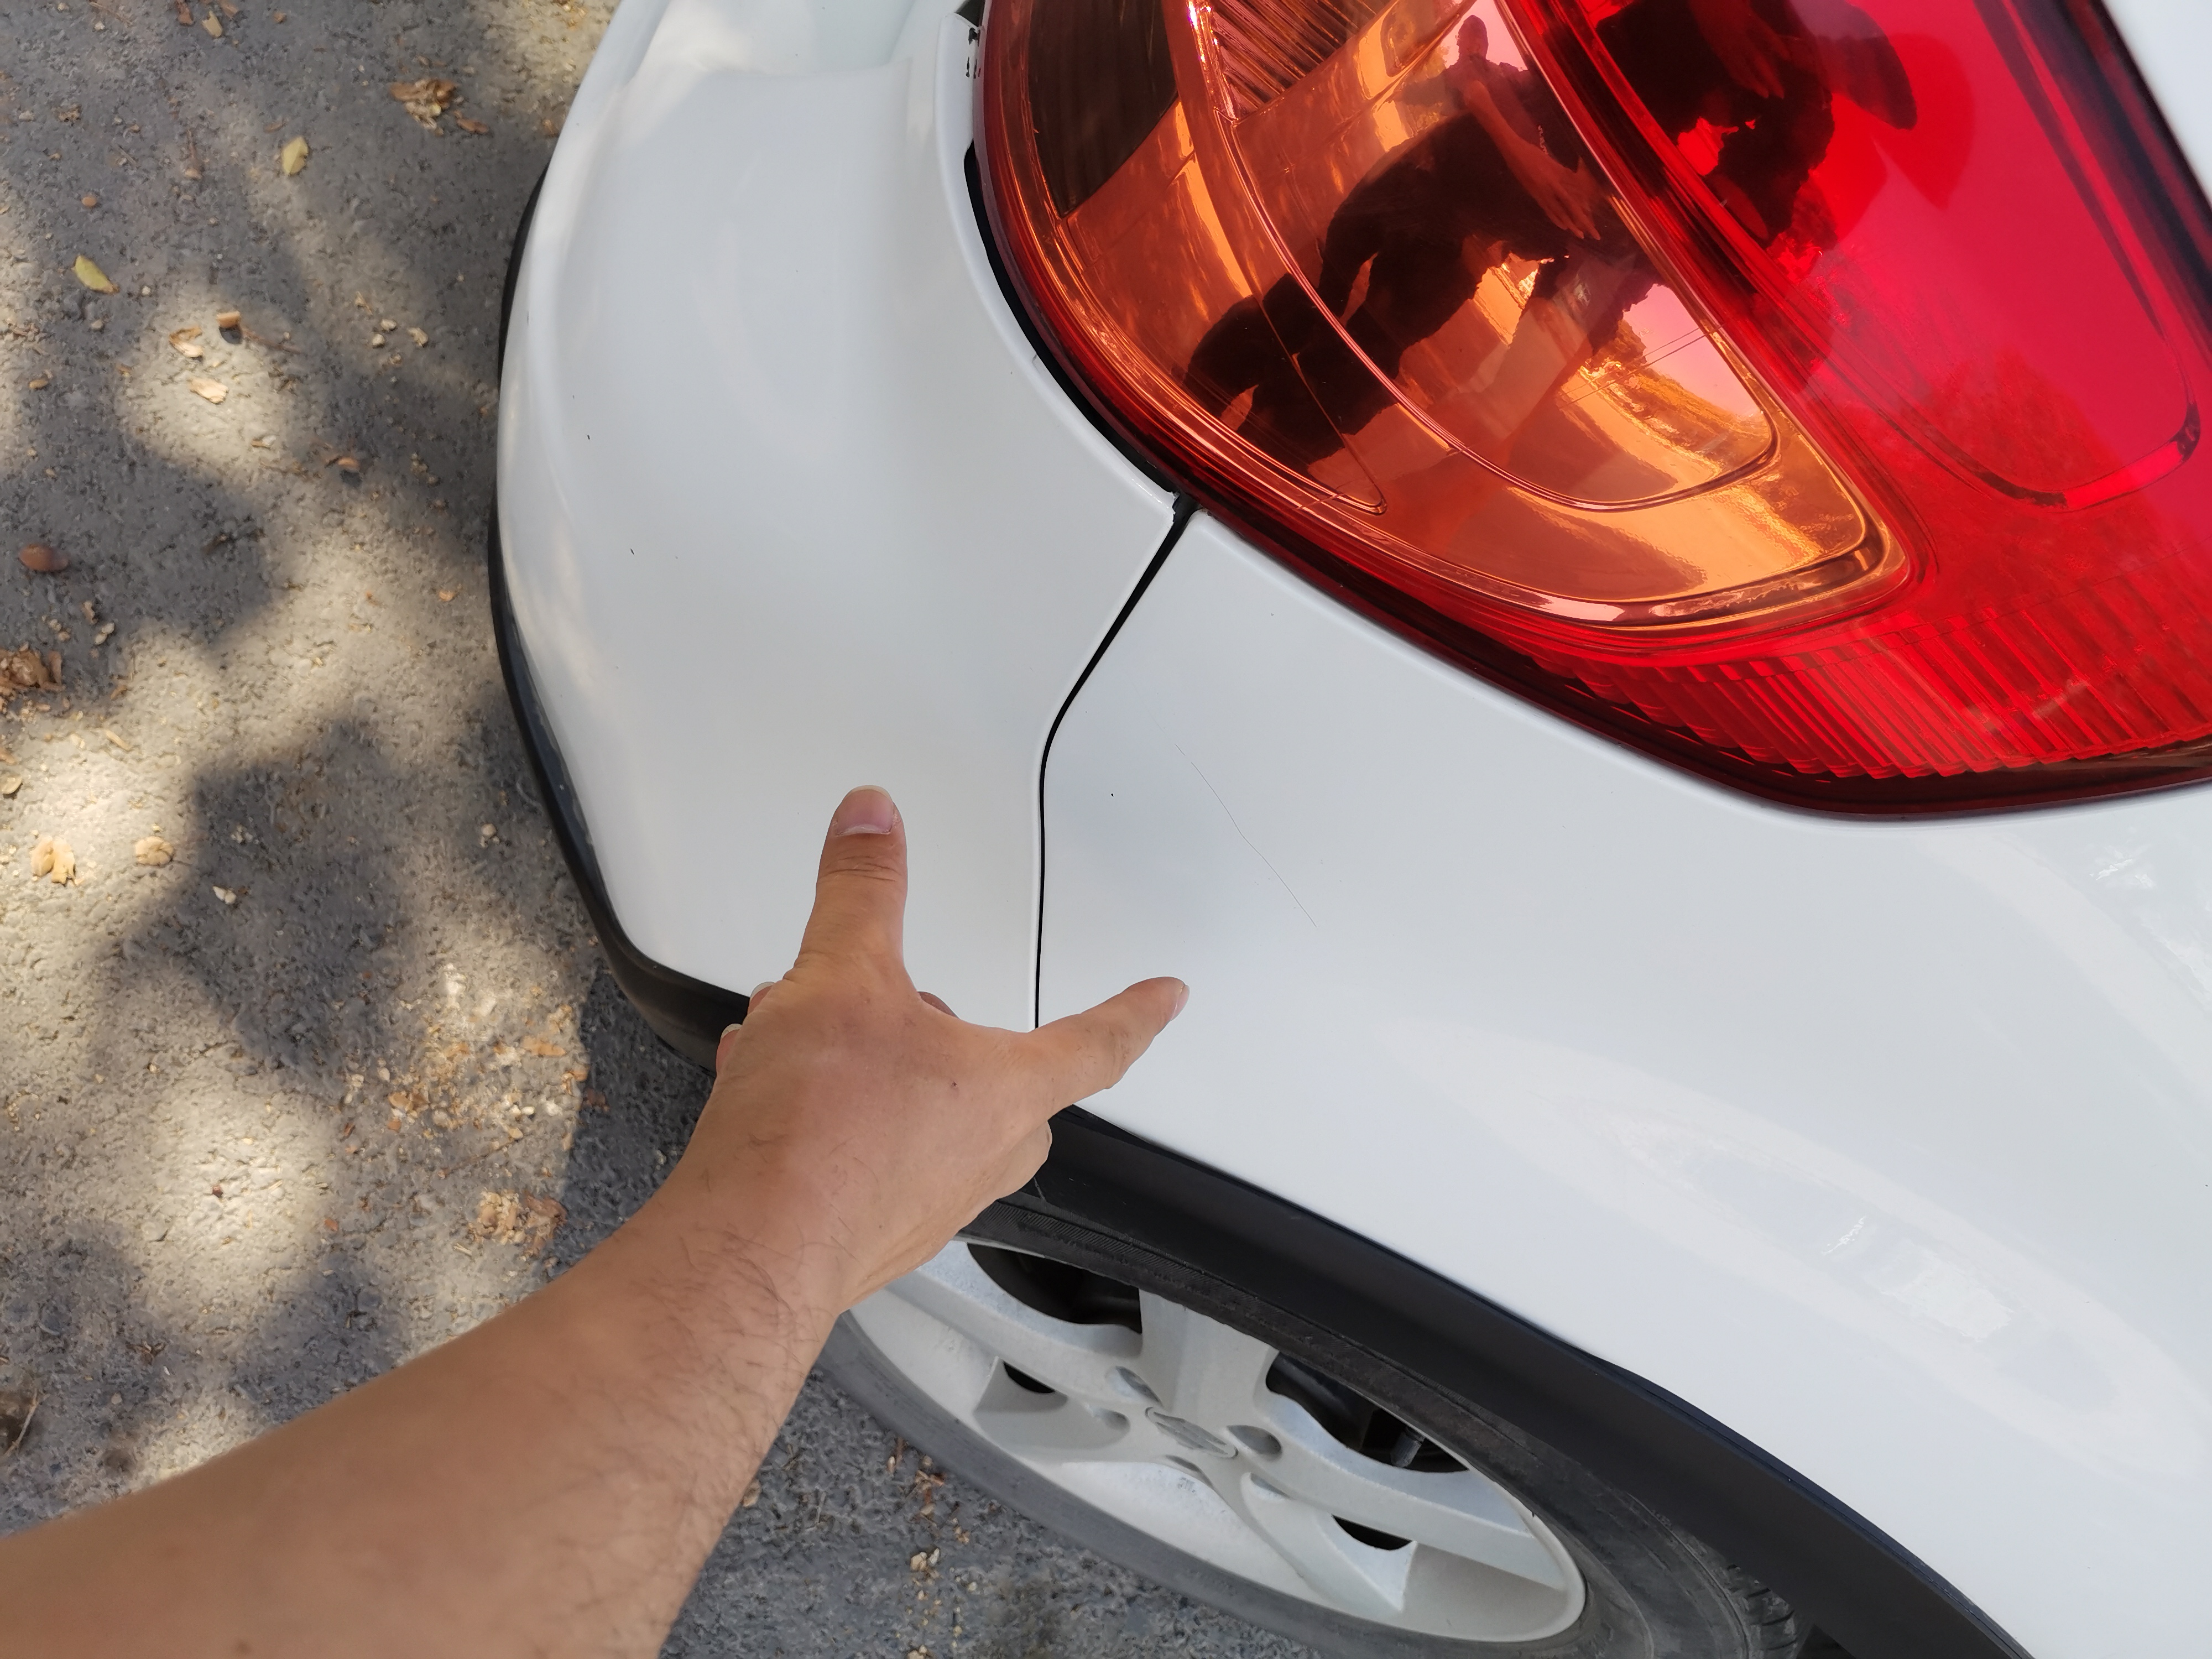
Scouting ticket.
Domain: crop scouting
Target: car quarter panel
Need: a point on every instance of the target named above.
(787, 501)
(1889, 1144)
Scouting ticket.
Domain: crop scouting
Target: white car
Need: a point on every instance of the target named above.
(1624, 587)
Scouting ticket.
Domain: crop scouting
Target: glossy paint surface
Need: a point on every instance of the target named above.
(789, 503)
(1888, 1144)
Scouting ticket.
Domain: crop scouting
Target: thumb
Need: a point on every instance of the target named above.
(859, 892)
(1077, 1056)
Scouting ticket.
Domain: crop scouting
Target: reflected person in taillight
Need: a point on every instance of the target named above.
(1505, 176)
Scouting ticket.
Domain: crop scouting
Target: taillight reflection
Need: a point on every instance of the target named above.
(1789, 381)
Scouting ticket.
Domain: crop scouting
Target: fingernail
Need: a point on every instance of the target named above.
(726, 1030)
(1183, 996)
(866, 812)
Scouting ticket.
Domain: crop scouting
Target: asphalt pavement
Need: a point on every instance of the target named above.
(307, 1056)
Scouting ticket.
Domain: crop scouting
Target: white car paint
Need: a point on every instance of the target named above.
(789, 503)
(1889, 1144)
(2171, 41)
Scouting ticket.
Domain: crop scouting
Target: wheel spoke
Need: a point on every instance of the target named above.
(1076, 1359)
(1358, 1576)
(1461, 1512)
(1055, 1428)
(1203, 1371)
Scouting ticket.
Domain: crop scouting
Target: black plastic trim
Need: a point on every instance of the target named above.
(1858, 1585)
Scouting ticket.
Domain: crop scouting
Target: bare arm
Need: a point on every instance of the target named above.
(1567, 196)
(551, 1482)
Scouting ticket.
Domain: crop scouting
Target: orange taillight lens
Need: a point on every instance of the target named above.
(1636, 338)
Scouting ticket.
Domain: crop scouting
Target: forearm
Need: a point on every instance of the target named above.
(550, 1482)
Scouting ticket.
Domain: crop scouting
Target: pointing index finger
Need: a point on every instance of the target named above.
(1085, 1052)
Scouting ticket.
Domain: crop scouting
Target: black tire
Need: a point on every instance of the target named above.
(1654, 1591)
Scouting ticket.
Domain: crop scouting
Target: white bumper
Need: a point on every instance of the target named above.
(1887, 1145)
(789, 503)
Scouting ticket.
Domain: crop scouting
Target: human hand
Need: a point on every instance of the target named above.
(860, 1122)
(1568, 197)
(1749, 48)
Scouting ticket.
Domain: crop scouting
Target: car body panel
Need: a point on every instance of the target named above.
(726, 631)
(2171, 41)
(1887, 1144)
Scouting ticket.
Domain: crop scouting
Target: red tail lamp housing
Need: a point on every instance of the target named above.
(1805, 390)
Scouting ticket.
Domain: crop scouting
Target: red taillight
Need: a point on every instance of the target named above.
(1804, 389)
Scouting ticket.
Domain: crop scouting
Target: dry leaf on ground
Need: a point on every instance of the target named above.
(418, 337)
(214, 391)
(9, 785)
(213, 25)
(24, 669)
(227, 319)
(428, 99)
(183, 9)
(93, 277)
(543, 1049)
(43, 559)
(54, 861)
(186, 340)
(467, 126)
(292, 157)
(522, 1218)
(153, 851)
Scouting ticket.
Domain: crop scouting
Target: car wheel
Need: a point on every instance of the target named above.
(1191, 1432)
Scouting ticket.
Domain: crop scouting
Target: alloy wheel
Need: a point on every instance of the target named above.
(1214, 1441)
